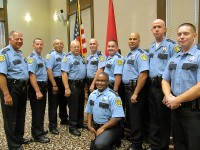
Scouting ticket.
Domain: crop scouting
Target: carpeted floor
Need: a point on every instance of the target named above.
(63, 141)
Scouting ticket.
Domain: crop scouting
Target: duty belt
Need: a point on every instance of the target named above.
(156, 80)
(42, 83)
(193, 105)
(17, 81)
(96, 126)
(76, 82)
(132, 84)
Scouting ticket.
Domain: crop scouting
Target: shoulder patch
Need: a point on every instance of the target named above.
(169, 40)
(64, 60)
(143, 57)
(5, 50)
(118, 102)
(48, 56)
(177, 48)
(2, 58)
(30, 60)
(141, 51)
(101, 58)
(119, 62)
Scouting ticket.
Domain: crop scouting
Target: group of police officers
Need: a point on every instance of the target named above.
(166, 78)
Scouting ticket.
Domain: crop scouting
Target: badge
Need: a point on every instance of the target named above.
(191, 58)
(101, 58)
(119, 62)
(177, 49)
(163, 49)
(64, 60)
(118, 102)
(48, 56)
(2, 58)
(30, 60)
(143, 57)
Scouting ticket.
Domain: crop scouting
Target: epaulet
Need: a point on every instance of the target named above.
(50, 51)
(32, 55)
(113, 92)
(5, 50)
(141, 51)
(99, 53)
(119, 56)
(169, 40)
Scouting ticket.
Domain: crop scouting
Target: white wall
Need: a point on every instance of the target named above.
(130, 16)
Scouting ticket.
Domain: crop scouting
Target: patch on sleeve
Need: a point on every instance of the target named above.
(30, 60)
(64, 60)
(177, 48)
(101, 58)
(48, 56)
(143, 57)
(2, 58)
(118, 102)
(119, 62)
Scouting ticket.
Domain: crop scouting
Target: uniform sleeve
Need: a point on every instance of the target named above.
(32, 64)
(3, 64)
(166, 74)
(50, 60)
(116, 107)
(143, 62)
(88, 108)
(119, 62)
(102, 61)
(65, 64)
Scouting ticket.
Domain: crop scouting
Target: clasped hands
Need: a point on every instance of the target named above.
(171, 101)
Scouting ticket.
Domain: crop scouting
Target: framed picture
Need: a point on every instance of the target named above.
(1, 4)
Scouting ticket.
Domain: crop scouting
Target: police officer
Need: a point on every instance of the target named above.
(95, 64)
(56, 89)
(159, 52)
(37, 90)
(73, 69)
(135, 73)
(13, 85)
(181, 86)
(114, 65)
(104, 112)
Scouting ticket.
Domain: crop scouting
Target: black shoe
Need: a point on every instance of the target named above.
(45, 132)
(54, 131)
(84, 126)
(75, 132)
(64, 122)
(42, 139)
(25, 141)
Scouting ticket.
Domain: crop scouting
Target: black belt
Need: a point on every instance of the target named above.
(42, 83)
(58, 78)
(193, 105)
(17, 81)
(76, 82)
(156, 80)
(96, 125)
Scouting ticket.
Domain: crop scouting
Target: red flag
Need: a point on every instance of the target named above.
(111, 26)
(79, 31)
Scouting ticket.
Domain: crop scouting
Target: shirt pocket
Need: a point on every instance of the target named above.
(189, 71)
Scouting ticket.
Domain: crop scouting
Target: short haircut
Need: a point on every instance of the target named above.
(104, 74)
(188, 24)
(12, 32)
(112, 40)
(37, 39)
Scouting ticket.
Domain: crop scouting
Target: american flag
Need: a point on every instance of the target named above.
(79, 31)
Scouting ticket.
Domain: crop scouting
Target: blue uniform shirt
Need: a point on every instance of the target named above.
(12, 64)
(183, 70)
(104, 105)
(74, 66)
(36, 65)
(160, 56)
(135, 62)
(114, 65)
(53, 62)
(94, 62)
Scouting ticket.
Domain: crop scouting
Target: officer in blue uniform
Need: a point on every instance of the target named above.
(104, 112)
(73, 69)
(56, 91)
(95, 64)
(135, 73)
(159, 53)
(13, 85)
(37, 91)
(181, 86)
